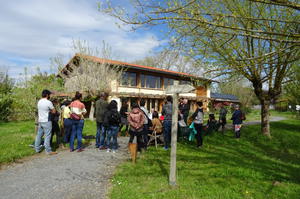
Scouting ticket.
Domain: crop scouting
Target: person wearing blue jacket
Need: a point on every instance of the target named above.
(237, 120)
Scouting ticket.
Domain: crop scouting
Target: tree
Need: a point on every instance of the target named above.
(241, 89)
(256, 40)
(6, 86)
(292, 89)
(28, 91)
(173, 60)
(88, 75)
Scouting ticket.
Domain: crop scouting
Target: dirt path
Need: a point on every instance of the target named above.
(65, 175)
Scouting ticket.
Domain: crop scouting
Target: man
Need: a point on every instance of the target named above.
(184, 109)
(146, 125)
(45, 107)
(222, 117)
(101, 107)
(167, 124)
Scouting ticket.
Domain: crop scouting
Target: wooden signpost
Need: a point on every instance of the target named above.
(175, 90)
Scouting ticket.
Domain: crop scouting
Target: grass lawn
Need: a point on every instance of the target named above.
(226, 168)
(15, 138)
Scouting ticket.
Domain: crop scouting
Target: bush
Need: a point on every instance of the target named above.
(6, 85)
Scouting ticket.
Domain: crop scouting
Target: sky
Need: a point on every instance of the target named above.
(33, 31)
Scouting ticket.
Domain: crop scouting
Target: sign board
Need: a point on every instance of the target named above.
(185, 88)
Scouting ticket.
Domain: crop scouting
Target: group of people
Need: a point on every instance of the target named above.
(72, 115)
(138, 122)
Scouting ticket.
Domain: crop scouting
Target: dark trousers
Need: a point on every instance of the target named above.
(139, 136)
(56, 131)
(68, 130)
(199, 135)
(167, 133)
(145, 135)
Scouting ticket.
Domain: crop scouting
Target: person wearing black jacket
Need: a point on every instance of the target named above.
(237, 121)
(198, 118)
(184, 109)
(111, 121)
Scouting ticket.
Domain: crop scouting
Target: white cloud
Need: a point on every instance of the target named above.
(34, 30)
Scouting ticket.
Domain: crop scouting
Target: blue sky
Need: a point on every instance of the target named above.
(32, 31)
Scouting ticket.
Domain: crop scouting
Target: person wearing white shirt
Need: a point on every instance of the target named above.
(44, 106)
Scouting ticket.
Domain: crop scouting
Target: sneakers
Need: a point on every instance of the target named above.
(80, 150)
(51, 153)
(114, 151)
(166, 148)
(108, 150)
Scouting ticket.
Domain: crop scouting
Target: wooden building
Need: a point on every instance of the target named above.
(145, 82)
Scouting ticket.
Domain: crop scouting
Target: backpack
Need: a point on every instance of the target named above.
(114, 118)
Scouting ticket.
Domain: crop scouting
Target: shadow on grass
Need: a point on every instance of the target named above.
(254, 153)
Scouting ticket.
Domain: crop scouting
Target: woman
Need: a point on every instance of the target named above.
(111, 121)
(237, 121)
(198, 117)
(67, 122)
(136, 122)
(157, 125)
(77, 115)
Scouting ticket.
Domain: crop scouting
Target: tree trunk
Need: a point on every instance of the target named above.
(265, 118)
(92, 111)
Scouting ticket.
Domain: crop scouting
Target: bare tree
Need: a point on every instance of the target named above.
(90, 75)
(174, 60)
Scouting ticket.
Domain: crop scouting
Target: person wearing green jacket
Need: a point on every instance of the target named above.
(101, 107)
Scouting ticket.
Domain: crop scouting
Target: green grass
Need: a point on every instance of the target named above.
(224, 168)
(15, 138)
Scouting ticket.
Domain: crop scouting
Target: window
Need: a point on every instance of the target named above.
(150, 81)
(168, 82)
(128, 79)
(185, 82)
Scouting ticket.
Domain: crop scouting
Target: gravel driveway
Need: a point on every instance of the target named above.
(65, 175)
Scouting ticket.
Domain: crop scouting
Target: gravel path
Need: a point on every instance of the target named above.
(65, 175)
(272, 119)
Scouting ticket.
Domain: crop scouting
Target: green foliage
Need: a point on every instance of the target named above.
(292, 89)
(29, 91)
(6, 85)
(252, 167)
(240, 89)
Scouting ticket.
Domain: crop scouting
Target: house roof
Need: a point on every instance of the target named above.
(139, 67)
(225, 97)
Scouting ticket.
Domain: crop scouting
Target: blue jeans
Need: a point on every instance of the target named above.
(112, 132)
(101, 135)
(77, 126)
(68, 130)
(167, 133)
(43, 128)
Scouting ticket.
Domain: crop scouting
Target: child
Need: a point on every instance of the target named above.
(212, 124)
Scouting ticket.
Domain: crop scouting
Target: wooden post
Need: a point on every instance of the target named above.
(175, 90)
(172, 177)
